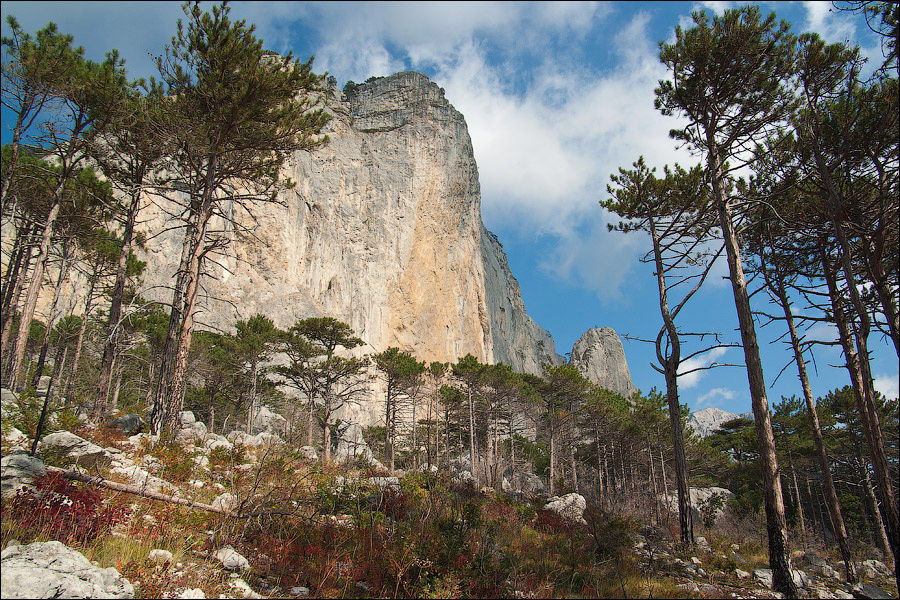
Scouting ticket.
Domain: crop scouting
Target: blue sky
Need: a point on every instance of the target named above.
(557, 96)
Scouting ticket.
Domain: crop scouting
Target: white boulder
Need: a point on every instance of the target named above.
(81, 451)
(570, 507)
(52, 570)
(232, 560)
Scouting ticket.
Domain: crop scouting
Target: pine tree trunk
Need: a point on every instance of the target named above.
(799, 503)
(862, 394)
(776, 524)
(871, 502)
(34, 288)
(834, 506)
(113, 325)
(11, 301)
(472, 456)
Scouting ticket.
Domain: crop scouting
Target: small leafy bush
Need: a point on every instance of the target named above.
(61, 511)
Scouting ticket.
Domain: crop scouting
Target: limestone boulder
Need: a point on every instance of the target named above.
(53, 570)
(78, 450)
(19, 471)
(9, 406)
(130, 424)
(570, 507)
(308, 453)
(16, 439)
(349, 444)
(231, 560)
(267, 420)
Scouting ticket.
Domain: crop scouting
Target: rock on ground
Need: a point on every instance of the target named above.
(232, 560)
(160, 557)
(308, 453)
(225, 501)
(84, 453)
(18, 471)
(53, 570)
(269, 421)
(129, 424)
(570, 507)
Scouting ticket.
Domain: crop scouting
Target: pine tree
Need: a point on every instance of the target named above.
(237, 113)
(730, 79)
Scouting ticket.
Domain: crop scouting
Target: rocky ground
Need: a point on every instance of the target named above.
(163, 549)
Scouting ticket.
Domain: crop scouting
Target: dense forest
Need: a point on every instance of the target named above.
(797, 190)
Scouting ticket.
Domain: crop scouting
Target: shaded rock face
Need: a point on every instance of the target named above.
(18, 471)
(53, 570)
(599, 355)
(383, 231)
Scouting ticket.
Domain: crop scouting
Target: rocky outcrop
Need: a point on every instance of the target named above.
(705, 421)
(383, 231)
(700, 498)
(67, 445)
(599, 355)
(53, 570)
(19, 471)
(570, 507)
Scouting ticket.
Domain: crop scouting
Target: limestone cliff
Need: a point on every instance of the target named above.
(383, 231)
(600, 357)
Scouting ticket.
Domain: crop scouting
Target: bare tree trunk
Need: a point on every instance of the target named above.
(11, 300)
(113, 324)
(552, 461)
(834, 506)
(655, 501)
(799, 503)
(472, 456)
(34, 288)
(776, 524)
(865, 408)
(871, 502)
(252, 405)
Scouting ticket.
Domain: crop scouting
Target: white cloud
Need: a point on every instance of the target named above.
(689, 380)
(711, 397)
(888, 385)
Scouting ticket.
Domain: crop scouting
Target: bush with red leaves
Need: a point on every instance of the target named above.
(61, 511)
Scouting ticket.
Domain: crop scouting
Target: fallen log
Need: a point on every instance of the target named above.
(83, 477)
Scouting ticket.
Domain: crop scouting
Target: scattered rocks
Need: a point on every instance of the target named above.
(18, 471)
(741, 574)
(570, 507)
(231, 560)
(160, 557)
(79, 450)
(192, 593)
(300, 591)
(53, 570)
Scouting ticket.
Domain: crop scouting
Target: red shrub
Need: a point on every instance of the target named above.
(62, 511)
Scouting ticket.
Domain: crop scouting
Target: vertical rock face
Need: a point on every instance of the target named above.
(598, 354)
(383, 231)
